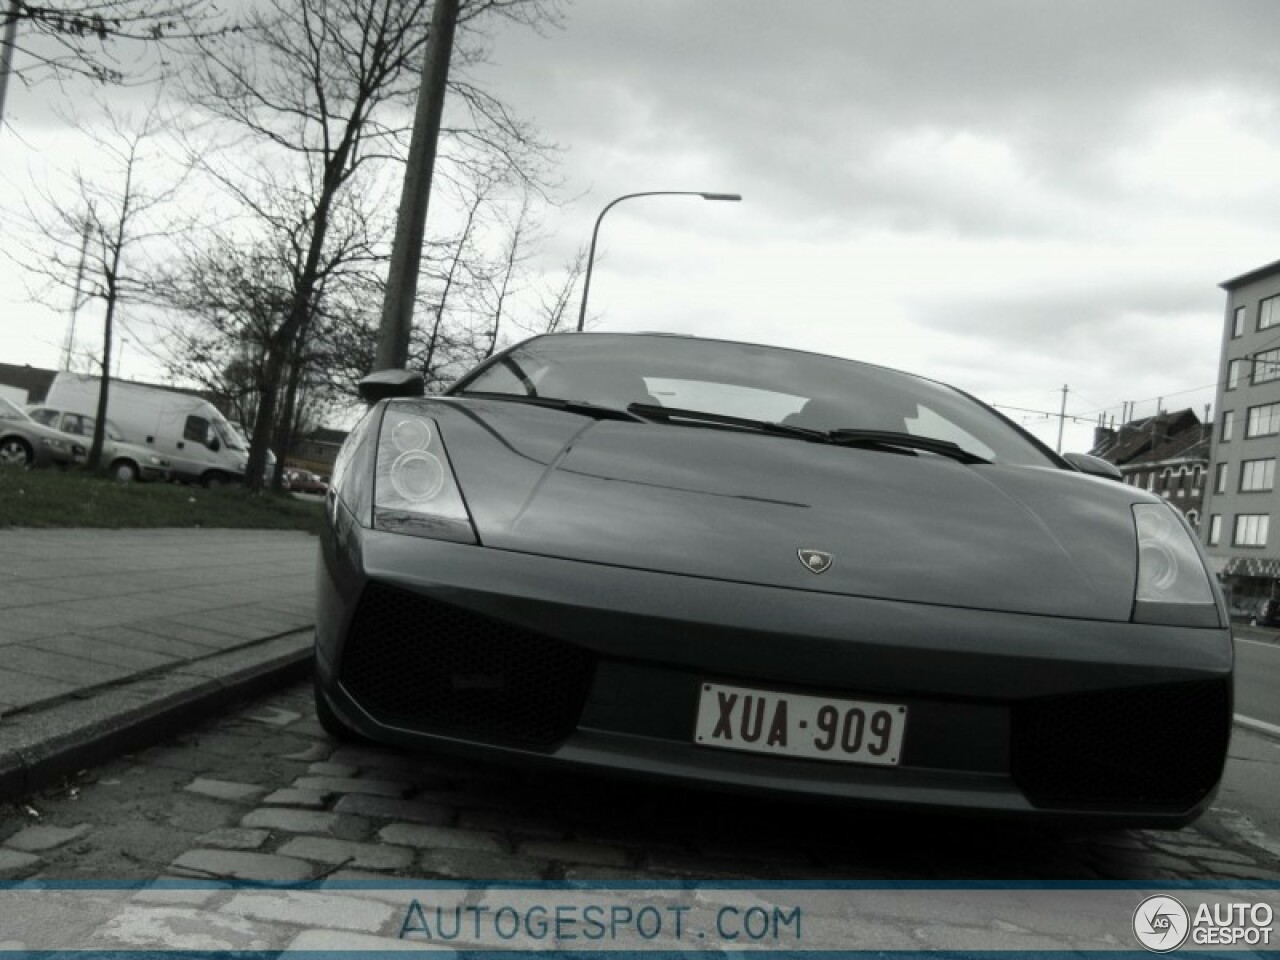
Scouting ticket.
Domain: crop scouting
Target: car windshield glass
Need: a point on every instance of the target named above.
(228, 434)
(752, 382)
(10, 411)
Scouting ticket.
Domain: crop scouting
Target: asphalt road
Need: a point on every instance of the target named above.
(1258, 676)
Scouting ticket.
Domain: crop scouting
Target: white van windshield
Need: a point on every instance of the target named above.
(228, 434)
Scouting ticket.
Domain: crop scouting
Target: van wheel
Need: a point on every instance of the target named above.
(214, 481)
(15, 452)
(126, 471)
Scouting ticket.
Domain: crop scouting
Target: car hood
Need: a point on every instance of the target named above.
(740, 506)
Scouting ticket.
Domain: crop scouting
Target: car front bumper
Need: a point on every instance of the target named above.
(1007, 713)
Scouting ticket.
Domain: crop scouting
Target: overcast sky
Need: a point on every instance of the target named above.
(1007, 195)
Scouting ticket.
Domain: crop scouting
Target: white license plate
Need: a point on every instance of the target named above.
(796, 725)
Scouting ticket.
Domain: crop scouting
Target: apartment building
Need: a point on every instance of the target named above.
(1167, 454)
(1241, 499)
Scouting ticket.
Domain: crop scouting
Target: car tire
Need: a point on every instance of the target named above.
(15, 452)
(125, 471)
(213, 480)
(333, 725)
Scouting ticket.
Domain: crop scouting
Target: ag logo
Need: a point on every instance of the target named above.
(1161, 923)
(815, 561)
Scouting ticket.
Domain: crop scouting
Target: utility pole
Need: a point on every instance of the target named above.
(1062, 417)
(6, 52)
(406, 252)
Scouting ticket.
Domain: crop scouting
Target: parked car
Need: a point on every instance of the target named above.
(188, 431)
(120, 459)
(304, 481)
(1267, 614)
(766, 571)
(25, 443)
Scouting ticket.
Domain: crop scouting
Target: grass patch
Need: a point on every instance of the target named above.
(73, 498)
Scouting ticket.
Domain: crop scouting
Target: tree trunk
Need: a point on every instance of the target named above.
(104, 390)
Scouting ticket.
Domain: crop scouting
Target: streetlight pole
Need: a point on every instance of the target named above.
(591, 256)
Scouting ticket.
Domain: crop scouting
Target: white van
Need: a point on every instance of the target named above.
(198, 441)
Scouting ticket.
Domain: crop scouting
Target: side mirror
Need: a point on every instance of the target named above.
(1094, 466)
(214, 444)
(392, 383)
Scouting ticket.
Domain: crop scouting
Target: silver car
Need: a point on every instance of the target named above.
(25, 443)
(122, 460)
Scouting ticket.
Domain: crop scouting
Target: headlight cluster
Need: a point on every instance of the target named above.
(53, 443)
(414, 488)
(1173, 585)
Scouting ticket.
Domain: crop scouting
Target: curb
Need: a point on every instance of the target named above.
(39, 749)
(1257, 726)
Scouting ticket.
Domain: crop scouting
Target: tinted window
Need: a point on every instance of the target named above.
(196, 430)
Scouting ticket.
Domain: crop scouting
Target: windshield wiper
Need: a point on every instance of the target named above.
(885, 439)
(555, 403)
(651, 411)
(849, 437)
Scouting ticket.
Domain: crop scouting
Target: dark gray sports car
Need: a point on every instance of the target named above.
(767, 570)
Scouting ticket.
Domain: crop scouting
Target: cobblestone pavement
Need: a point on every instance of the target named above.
(264, 794)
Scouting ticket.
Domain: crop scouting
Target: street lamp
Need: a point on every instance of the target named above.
(591, 256)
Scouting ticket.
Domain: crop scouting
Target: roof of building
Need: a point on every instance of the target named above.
(1256, 274)
(1170, 435)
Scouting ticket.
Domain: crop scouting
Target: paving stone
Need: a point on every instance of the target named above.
(273, 716)
(326, 768)
(225, 789)
(40, 838)
(440, 838)
(234, 838)
(289, 797)
(570, 852)
(14, 861)
(378, 788)
(241, 865)
(290, 821)
(472, 865)
(175, 895)
(311, 909)
(522, 826)
(309, 754)
(1220, 854)
(391, 808)
(361, 856)
(343, 941)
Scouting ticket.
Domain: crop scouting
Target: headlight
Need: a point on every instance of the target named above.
(414, 488)
(54, 444)
(157, 461)
(1173, 585)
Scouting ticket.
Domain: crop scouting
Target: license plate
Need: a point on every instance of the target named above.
(797, 725)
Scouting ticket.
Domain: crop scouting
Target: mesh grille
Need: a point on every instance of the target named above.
(1155, 746)
(424, 665)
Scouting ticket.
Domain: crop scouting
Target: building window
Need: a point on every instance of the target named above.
(1215, 528)
(1237, 323)
(1266, 366)
(1268, 312)
(1235, 370)
(1257, 475)
(1263, 421)
(1251, 530)
(1228, 424)
(1220, 481)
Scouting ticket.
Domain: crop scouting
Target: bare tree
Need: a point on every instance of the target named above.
(96, 247)
(314, 92)
(111, 41)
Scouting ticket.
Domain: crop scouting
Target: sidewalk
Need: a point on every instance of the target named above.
(110, 637)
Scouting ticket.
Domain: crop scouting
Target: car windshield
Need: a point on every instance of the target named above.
(10, 411)
(228, 434)
(758, 383)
